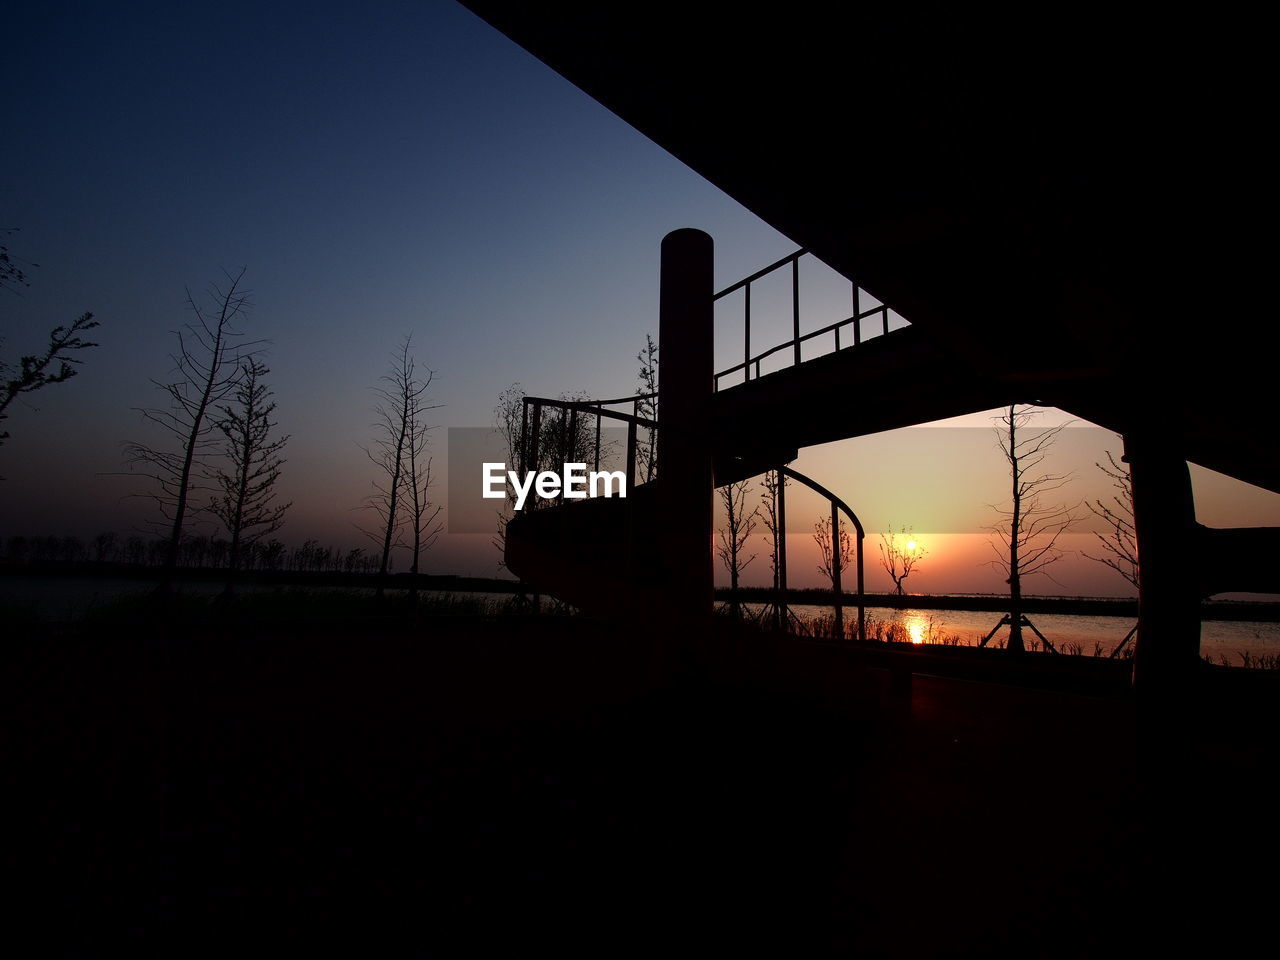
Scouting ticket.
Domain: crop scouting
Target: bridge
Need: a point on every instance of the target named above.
(653, 549)
(1044, 217)
(603, 555)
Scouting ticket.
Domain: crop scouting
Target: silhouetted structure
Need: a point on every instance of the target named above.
(1034, 209)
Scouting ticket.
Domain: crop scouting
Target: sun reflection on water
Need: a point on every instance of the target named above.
(916, 625)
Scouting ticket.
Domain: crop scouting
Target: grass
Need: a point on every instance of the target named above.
(1249, 661)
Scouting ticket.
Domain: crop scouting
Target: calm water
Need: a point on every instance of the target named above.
(57, 598)
(64, 599)
(1218, 638)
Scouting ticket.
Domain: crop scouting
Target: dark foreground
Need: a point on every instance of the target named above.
(482, 785)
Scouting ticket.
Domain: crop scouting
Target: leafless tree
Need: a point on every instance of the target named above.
(1120, 543)
(38, 370)
(423, 512)
(822, 536)
(732, 541)
(770, 486)
(244, 498)
(207, 369)
(899, 555)
(12, 276)
(34, 371)
(400, 400)
(1026, 539)
(647, 450)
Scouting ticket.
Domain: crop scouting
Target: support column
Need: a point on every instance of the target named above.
(1169, 545)
(684, 486)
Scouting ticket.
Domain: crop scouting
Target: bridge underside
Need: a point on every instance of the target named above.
(892, 381)
(1061, 204)
(1062, 211)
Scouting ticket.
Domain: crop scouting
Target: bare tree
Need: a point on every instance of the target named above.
(389, 452)
(245, 493)
(34, 371)
(38, 370)
(647, 450)
(1120, 543)
(12, 276)
(899, 555)
(731, 542)
(1028, 533)
(208, 367)
(822, 536)
(423, 511)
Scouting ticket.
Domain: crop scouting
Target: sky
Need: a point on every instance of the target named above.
(378, 171)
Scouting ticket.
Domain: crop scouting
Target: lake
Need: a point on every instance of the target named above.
(62, 599)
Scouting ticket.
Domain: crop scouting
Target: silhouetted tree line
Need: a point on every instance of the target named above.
(197, 551)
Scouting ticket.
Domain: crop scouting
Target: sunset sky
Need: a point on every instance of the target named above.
(381, 170)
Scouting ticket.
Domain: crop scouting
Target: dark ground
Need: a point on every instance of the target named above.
(484, 785)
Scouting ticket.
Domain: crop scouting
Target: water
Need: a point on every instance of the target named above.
(69, 598)
(1091, 634)
(57, 598)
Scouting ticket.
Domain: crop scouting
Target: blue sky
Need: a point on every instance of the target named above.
(381, 170)
(378, 169)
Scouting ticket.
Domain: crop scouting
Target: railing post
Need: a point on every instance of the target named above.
(523, 450)
(835, 570)
(571, 441)
(781, 605)
(534, 452)
(684, 494)
(631, 454)
(598, 419)
(857, 316)
(795, 305)
(563, 424)
(862, 610)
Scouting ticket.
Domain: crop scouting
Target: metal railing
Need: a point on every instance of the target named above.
(838, 506)
(568, 438)
(565, 431)
(795, 344)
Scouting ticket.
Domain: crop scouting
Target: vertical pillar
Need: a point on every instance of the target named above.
(1165, 664)
(1169, 544)
(684, 494)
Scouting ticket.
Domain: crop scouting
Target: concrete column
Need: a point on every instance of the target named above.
(1169, 556)
(685, 372)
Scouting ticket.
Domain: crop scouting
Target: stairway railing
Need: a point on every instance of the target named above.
(838, 506)
(567, 433)
(750, 361)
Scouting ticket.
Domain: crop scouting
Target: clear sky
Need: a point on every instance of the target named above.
(378, 169)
